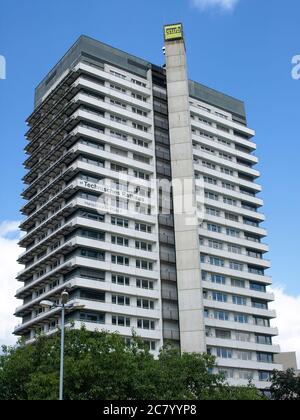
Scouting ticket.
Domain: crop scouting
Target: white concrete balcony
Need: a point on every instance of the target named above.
(46, 242)
(49, 222)
(226, 163)
(106, 106)
(61, 88)
(247, 364)
(133, 311)
(105, 122)
(221, 134)
(244, 382)
(97, 285)
(236, 326)
(38, 264)
(235, 195)
(108, 156)
(139, 217)
(112, 93)
(242, 227)
(232, 179)
(226, 122)
(220, 147)
(81, 130)
(107, 265)
(114, 79)
(230, 256)
(47, 167)
(234, 273)
(246, 292)
(242, 345)
(123, 331)
(50, 189)
(240, 241)
(244, 309)
(79, 166)
(78, 241)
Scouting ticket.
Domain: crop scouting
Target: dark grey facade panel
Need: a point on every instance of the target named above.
(86, 46)
(217, 99)
(99, 52)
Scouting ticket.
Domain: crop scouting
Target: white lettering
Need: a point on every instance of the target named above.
(296, 69)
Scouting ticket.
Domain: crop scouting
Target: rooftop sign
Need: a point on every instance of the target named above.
(173, 32)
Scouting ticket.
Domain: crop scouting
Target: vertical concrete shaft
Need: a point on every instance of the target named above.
(190, 296)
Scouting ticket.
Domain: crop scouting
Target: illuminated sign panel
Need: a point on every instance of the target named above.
(173, 32)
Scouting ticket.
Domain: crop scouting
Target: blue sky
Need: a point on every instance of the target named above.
(245, 52)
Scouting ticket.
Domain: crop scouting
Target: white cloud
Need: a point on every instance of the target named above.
(225, 5)
(9, 252)
(287, 321)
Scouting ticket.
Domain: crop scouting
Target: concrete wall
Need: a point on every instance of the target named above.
(190, 300)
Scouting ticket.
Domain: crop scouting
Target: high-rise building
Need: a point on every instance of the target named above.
(105, 126)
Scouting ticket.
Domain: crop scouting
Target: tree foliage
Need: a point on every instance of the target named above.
(285, 385)
(100, 366)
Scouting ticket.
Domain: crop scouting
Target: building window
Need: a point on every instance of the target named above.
(119, 222)
(119, 259)
(262, 322)
(144, 265)
(234, 249)
(210, 180)
(119, 240)
(221, 315)
(224, 353)
(121, 280)
(118, 168)
(263, 339)
(214, 228)
(244, 355)
(145, 303)
(241, 318)
(91, 253)
(120, 300)
(212, 211)
(91, 295)
(141, 175)
(220, 297)
(265, 357)
(121, 321)
(98, 318)
(236, 266)
(232, 217)
(217, 261)
(215, 244)
(144, 284)
(259, 304)
(216, 278)
(264, 376)
(146, 324)
(258, 287)
(142, 227)
(223, 334)
(242, 336)
(239, 300)
(211, 196)
(238, 283)
(233, 232)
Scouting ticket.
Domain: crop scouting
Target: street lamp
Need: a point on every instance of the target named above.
(63, 305)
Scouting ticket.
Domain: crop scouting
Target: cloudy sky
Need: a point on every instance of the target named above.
(241, 47)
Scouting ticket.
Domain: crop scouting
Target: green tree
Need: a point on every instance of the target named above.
(285, 385)
(100, 366)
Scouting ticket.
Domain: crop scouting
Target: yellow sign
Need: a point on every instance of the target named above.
(173, 32)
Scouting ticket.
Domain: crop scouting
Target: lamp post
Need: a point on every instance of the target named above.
(64, 305)
(64, 300)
